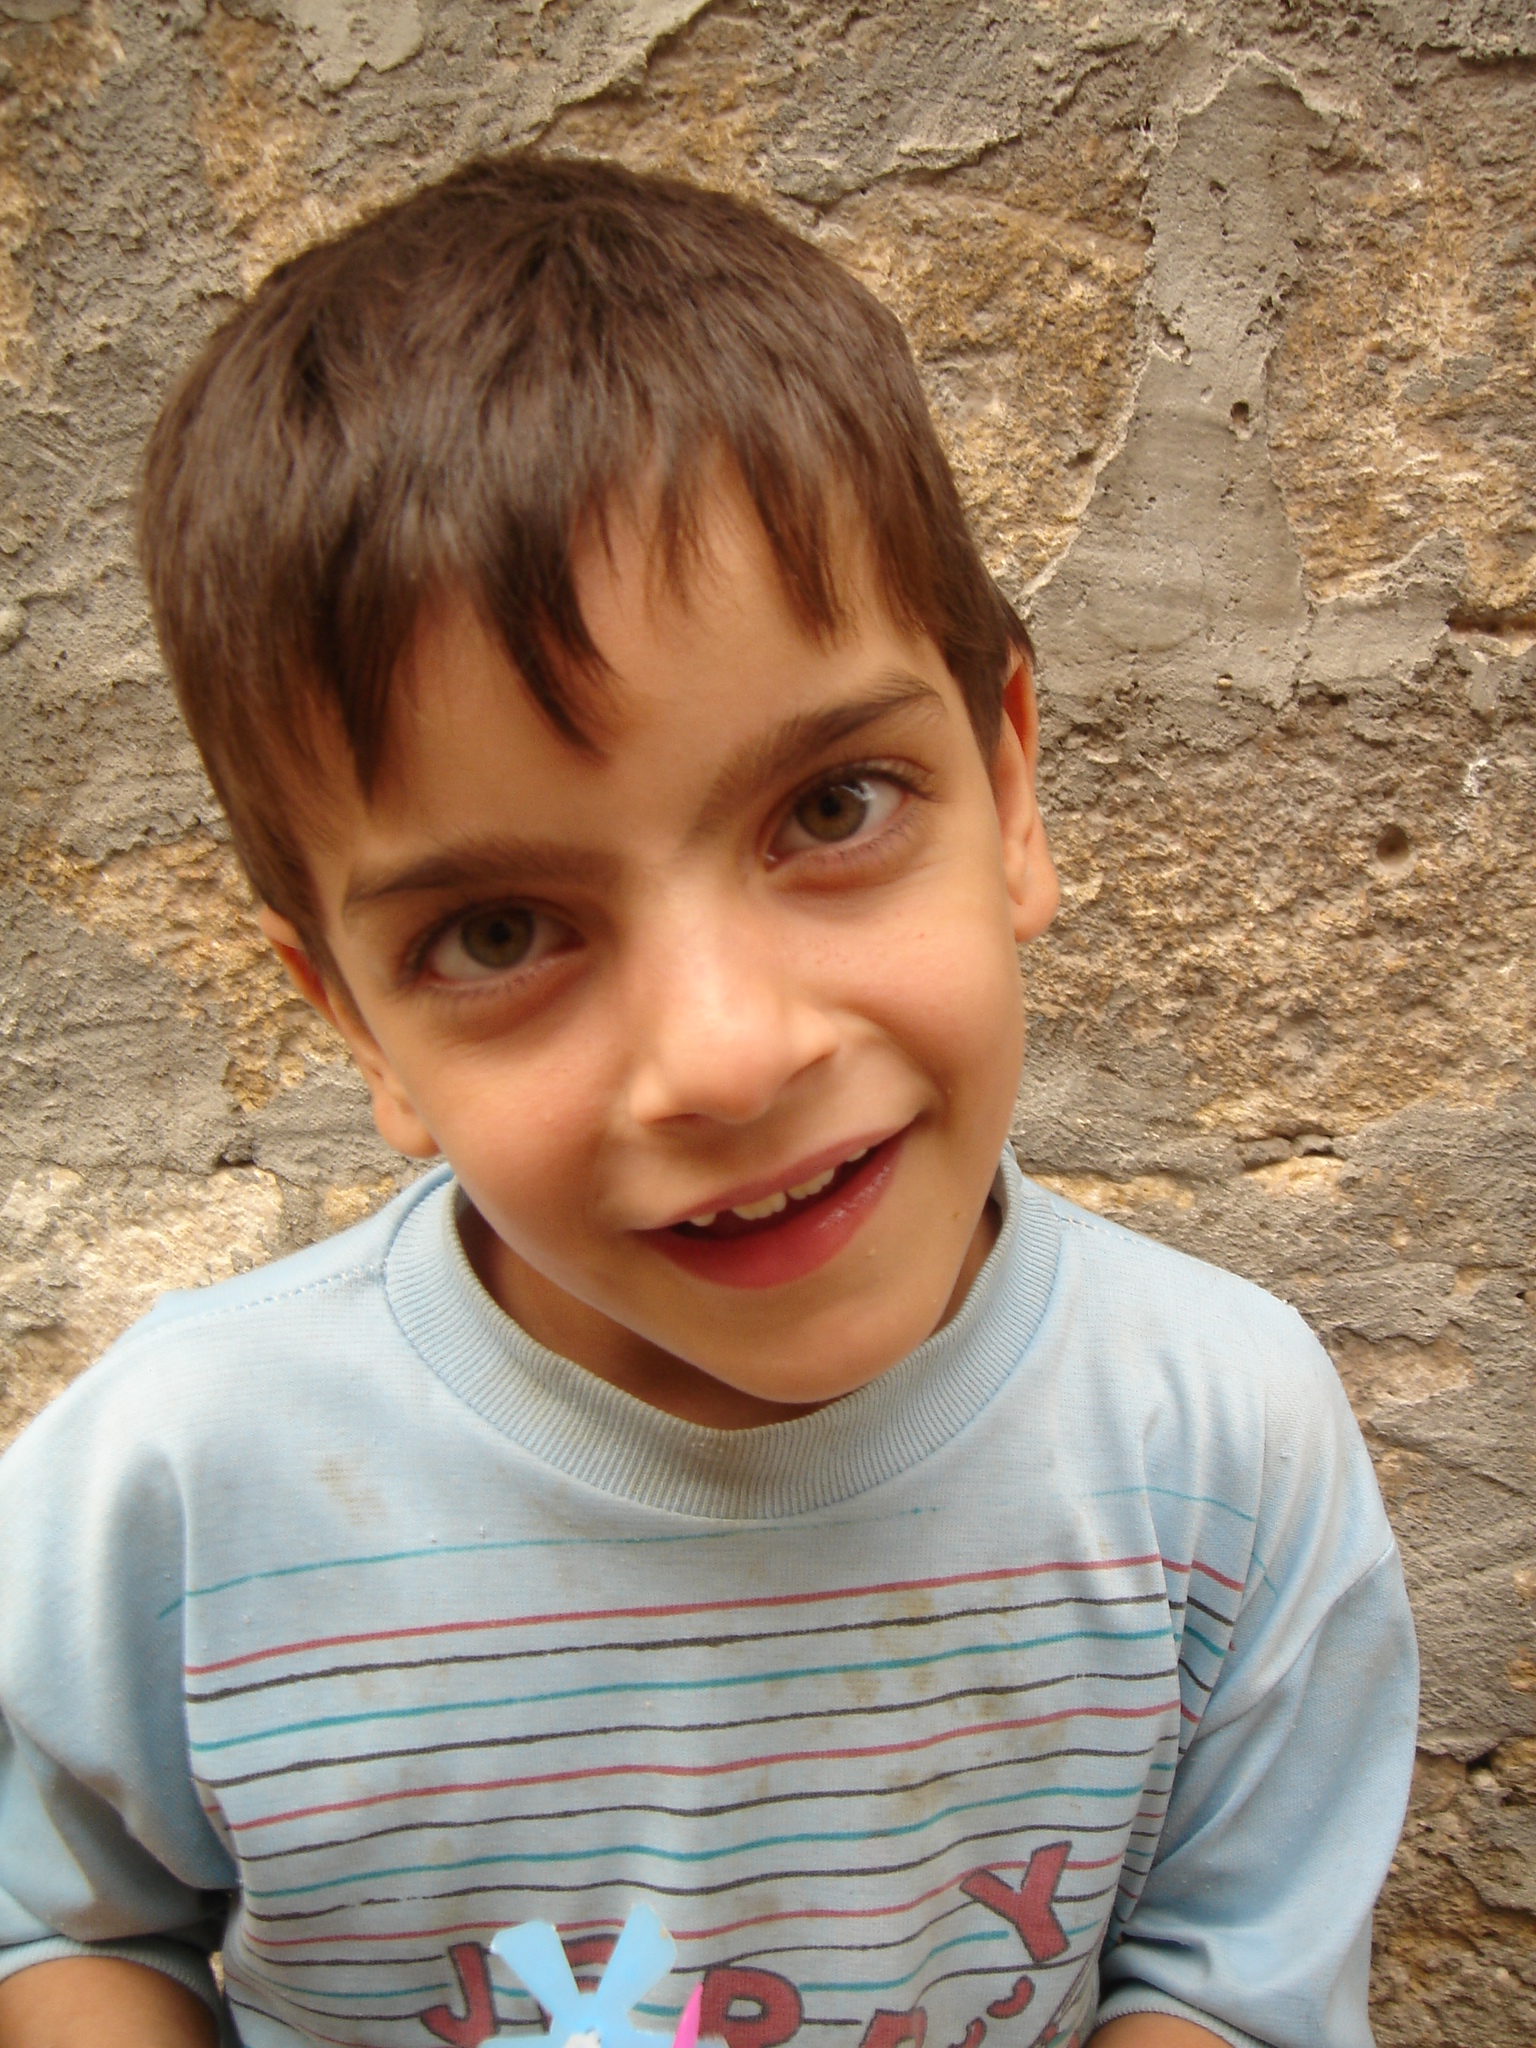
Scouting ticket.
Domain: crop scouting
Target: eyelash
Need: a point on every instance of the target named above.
(413, 968)
(903, 775)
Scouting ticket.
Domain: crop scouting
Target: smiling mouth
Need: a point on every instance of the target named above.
(772, 1212)
(785, 1236)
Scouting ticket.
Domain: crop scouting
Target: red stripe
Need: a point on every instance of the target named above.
(1207, 1570)
(801, 1913)
(751, 1763)
(835, 1912)
(693, 1934)
(671, 1612)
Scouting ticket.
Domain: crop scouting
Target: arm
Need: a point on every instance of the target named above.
(78, 2001)
(1286, 1804)
(113, 1886)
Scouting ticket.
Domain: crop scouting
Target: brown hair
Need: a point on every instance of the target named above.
(445, 394)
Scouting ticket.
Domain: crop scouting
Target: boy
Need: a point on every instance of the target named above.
(723, 1484)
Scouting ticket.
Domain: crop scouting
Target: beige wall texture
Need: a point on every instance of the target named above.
(1228, 314)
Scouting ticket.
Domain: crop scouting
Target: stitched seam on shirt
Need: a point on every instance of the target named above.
(218, 1312)
(1366, 1572)
(368, 1269)
(1071, 1215)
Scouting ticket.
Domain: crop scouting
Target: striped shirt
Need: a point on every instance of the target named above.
(1062, 1671)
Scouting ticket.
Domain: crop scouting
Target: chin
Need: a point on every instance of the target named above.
(833, 1371)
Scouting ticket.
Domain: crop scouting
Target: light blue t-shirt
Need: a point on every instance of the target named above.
(1063, 1671)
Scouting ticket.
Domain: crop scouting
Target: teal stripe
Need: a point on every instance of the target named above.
(1264, 1575)
(436, 1990)
(653, 1686)
(342, 1564)
(1204, 1641)
(895, 1983)
(914, 1827)
(673, 2012)
(1199, 1500)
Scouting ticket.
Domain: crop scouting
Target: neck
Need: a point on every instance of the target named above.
(562, 1323)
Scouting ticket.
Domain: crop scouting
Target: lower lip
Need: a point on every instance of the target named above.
(797, 1246)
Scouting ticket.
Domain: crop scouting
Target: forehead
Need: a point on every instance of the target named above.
(712, 694)
(691, 656)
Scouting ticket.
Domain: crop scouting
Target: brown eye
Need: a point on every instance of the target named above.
(511, 941)
(835, 811)
(497, 939)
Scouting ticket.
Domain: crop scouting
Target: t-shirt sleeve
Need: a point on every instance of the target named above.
(1255, 1919)
(104, 1847)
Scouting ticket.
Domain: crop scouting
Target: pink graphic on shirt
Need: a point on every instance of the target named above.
(896, 2029)
(1029, 1909)
(779, 2008)
(471, 1966)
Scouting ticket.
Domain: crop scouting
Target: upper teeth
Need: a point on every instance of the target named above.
(774, 1205)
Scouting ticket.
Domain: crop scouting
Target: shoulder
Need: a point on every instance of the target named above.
(1165, 1313)
(1206, 1387)
(353, 1259)
(229, 1355)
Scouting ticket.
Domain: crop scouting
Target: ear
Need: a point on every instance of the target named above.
(1028, 869)
(393, 1111)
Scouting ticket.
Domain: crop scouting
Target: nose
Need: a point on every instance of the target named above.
(722, 1026)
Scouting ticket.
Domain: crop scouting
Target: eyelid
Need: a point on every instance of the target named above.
(904, 775)
(413, 970)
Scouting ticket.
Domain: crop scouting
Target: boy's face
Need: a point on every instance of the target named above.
(757, 953)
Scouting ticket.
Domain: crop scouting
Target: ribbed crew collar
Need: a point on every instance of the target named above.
(570, 1419)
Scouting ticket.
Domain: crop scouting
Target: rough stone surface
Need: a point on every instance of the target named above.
(1228, 313)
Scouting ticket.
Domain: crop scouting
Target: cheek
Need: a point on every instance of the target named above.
(522, 1132)
(953, 992)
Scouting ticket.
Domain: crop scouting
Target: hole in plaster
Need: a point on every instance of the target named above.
(1241, 420)
(1482, 1775)
(1392, 848)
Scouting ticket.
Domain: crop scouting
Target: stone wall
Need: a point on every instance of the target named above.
(1229, 316)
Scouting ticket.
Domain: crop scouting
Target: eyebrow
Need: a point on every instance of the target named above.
(767, 758)
(488, 862)
(799, 740)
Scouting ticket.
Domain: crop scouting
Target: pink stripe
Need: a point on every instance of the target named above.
(1206, 1570)
(328, 1940)
(840, 1912)
(671, 1612)
(695, 1934)
(752, 1763)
